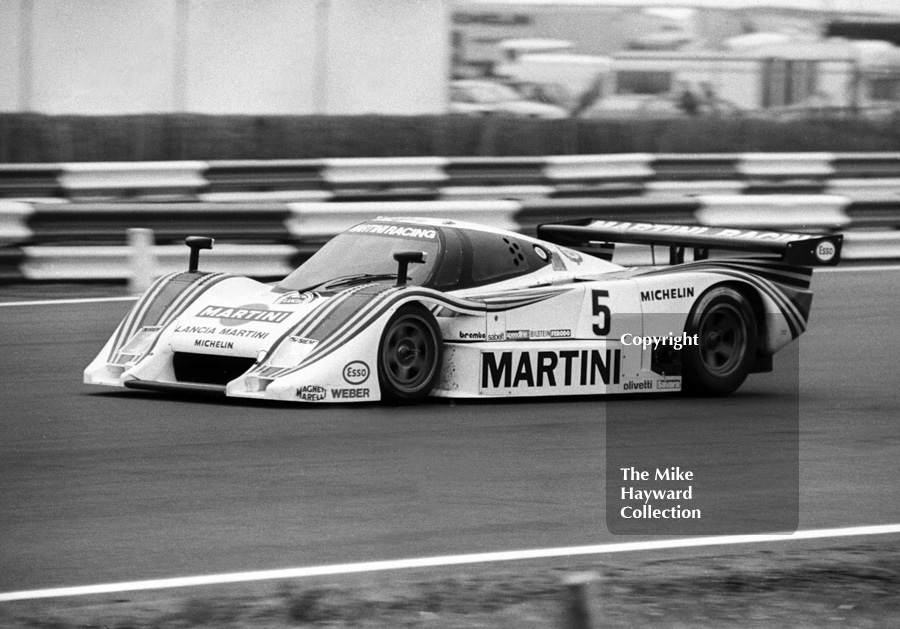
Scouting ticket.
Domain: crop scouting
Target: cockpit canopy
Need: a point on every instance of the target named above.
(455, 257)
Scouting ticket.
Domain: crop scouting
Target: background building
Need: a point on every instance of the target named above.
(599, 28)
(224, 56)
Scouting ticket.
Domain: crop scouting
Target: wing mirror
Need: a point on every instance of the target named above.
(196, 243)
(404, 258)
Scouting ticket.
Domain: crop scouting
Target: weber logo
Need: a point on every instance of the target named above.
(349, 394)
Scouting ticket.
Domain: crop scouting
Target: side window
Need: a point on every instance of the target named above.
(496, 257)
(448, 275)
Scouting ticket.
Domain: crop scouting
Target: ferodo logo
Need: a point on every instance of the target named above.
(825, 251)
(242, 314)
(356, 372)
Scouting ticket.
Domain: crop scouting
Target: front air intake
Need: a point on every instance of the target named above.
(209, 368)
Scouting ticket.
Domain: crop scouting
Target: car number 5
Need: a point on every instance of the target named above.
(602, 311)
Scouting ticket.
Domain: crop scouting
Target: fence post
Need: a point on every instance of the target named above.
(141, 258)
(579, 592)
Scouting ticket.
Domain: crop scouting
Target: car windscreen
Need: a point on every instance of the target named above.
(362, 254)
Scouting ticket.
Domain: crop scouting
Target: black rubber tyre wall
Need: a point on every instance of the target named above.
(407, 318)
(699, 375)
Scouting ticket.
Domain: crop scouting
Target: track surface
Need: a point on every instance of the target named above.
(100, 486)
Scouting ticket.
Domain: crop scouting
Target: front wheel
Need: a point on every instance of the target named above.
(726, 332)
(409, 355)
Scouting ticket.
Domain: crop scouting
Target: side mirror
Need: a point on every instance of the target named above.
(404, 258)
(196, 243)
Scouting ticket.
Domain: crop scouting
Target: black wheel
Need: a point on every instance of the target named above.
(725, 326)
(409, 355)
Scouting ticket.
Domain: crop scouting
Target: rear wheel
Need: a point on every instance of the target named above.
(726, 332)
(409, 355)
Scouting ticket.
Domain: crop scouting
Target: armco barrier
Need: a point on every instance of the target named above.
(85, 241)
(424, 178)
(866, 165)
(11, 261)
(112, 263)
(781, 165)
(590, 169)
(132, 179)
(263, 176)
(863, 245)
(534, 212)
(14, 222)
(106, 223)
(495, 171)
(774, 211)
(352, 175)
(30, 180)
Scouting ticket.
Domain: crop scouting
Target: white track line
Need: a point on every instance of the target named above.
(448, 560)
(850, 269)
(63, 302)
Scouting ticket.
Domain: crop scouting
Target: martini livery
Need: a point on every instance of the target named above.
(398, 309)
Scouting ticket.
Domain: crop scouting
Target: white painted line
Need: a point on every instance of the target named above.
(850, 269)
(63, 302)
(433, 562)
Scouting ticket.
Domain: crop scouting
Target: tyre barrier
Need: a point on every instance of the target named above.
(435, 178)
(89, 241)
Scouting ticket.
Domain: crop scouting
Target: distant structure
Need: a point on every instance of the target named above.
(699, 59)
(480, 26)
(872, 29)
(224, 57)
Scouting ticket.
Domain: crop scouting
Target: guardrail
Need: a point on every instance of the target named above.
(88, 241)
(433, 178)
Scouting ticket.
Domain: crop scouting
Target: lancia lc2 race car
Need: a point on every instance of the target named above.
(397, 309)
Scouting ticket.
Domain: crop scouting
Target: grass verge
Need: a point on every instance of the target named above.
(849, 586)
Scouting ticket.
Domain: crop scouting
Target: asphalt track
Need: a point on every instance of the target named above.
(100, 486)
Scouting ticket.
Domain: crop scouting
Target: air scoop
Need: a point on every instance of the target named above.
(196, 243)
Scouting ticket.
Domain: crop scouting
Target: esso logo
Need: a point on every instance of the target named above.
(356, 372)
(825, 251)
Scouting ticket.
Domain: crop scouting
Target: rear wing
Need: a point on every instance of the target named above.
(595, 237)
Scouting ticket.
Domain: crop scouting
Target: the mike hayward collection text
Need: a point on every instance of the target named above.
(646, 510)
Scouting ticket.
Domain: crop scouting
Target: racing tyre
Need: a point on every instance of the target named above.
(409, 355)
(726, 332)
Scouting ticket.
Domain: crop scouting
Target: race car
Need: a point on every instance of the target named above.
(398, 309)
